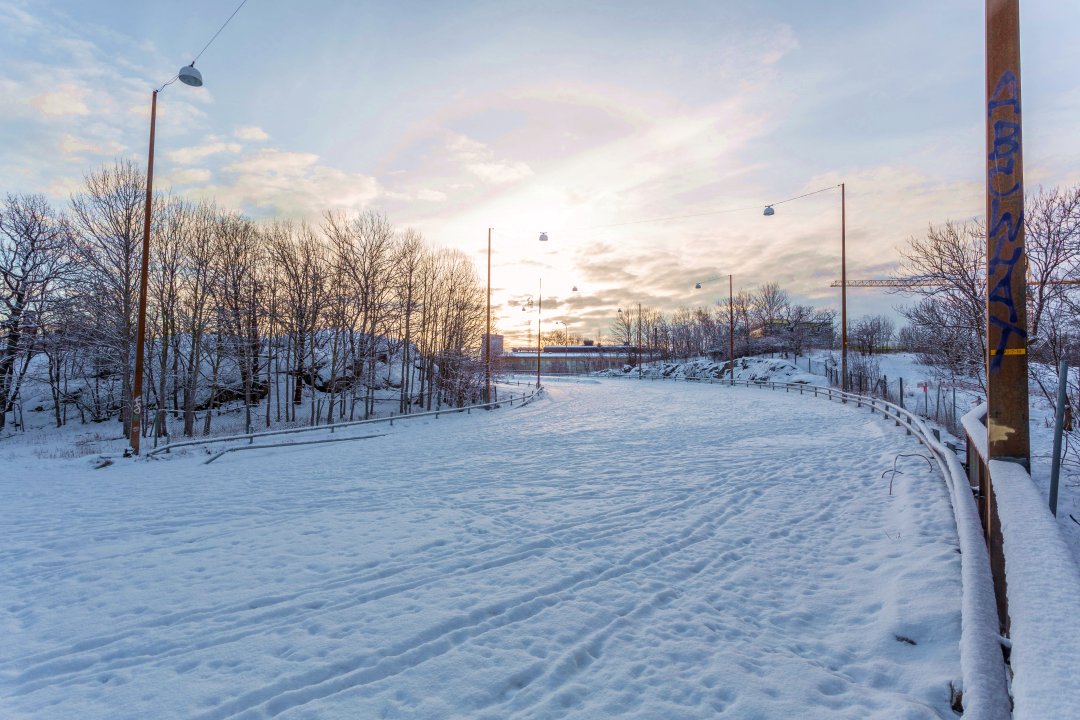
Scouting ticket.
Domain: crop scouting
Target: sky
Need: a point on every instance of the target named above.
(644, 138)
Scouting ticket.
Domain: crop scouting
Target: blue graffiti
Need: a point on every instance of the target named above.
(1004, 182)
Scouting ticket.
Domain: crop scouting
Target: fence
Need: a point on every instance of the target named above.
(250, 437)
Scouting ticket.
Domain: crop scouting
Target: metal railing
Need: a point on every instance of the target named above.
(981, 484)
(522, 399)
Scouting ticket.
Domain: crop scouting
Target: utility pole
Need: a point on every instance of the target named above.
(639, 341)
(539, 317)
(731, 327)
(843, 288)
(487, 338)
(140, 336)
(1006, 367)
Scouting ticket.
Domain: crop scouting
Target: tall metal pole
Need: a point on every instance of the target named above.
(731, 327)
(1059, 423)
(843, 288)
(487, 340)
(539, 316)
(136, 388)
(639, 341)
(1006, 331)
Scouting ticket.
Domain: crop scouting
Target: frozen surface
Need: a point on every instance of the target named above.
(649, 550)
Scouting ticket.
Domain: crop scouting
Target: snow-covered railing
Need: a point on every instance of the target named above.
(251, 437)
(1038, 581)
(985, 684)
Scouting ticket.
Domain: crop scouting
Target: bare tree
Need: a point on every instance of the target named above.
(108, 216)
(238, 254)
(1052, 245)
(410, 254)
(195, 312)
(947, 270)
(35, 267)
(872, 333)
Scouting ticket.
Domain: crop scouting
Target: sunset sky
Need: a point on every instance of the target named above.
(575, 118)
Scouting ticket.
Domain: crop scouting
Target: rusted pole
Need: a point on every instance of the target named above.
(843, 287)
(539, 317)
(639, 341)
(731, 328)
(1006, 331)
(487, 338)
(136, 387)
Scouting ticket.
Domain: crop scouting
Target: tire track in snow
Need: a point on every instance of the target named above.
(73, 665)
(443, 637)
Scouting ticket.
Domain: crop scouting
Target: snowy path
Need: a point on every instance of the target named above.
(619, 549)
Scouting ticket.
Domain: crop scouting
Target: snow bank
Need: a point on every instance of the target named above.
(748, 369)
(1043, 591)
(1044, 599)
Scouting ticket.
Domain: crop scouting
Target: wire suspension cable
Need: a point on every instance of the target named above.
(242, 3)
(704, 214)
(177, 76)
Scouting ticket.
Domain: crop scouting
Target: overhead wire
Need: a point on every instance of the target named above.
(242, 3)
(702, 214)
(210, 42)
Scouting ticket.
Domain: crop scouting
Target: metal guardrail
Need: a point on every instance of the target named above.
(983, 487)
(250, 437)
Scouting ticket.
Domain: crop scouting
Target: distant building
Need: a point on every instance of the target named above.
(574, 358)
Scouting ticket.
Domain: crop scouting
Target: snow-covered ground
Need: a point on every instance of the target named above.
(654, 550)
(921, 384)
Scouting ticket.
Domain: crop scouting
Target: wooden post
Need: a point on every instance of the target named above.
(1006, 366)
(136, 386)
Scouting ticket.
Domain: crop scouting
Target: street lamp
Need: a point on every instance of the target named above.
(539, 316)
(487, 337)
(731, 319)
(566, 332)
(192, 77)
(843, 278)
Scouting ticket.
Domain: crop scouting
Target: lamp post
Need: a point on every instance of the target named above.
(731, 320)
(770, 211)
(189, 76)
(639, 341)
(539, 318)
(487, 336)
(524, 308)
(625, 321)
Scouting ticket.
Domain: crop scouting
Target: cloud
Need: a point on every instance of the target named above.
(499, 173)
(251, 132)
(465, 148)
(75, 147)
(431, 195)
(66, 99)
(481, 161)
(191, 155)
(291, 183)
(188, 176)
(16, 20)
